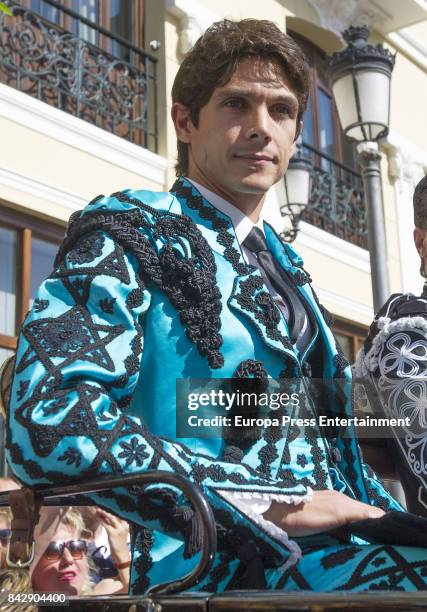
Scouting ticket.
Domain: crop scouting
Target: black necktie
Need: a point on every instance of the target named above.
(295, 311)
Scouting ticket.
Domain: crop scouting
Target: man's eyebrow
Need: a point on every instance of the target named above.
(227, 93)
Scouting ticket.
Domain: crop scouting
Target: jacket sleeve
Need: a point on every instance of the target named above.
(397, 371)
(78, 361)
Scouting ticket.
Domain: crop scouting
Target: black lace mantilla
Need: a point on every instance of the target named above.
(184, 268)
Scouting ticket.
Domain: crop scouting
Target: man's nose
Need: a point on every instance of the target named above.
(258, 127)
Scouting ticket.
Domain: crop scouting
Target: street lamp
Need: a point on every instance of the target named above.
(297, 181)
(361, 75)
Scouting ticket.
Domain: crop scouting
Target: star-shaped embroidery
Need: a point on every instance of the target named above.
(72, 336)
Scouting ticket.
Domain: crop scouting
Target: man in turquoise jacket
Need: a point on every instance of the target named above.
(149, 288)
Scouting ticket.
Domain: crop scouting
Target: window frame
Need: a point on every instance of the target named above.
(316, 82)
(355, 331)
(25, 227)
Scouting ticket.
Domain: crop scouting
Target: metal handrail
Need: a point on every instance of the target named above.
(100, 29)
(328, 158)
(201, 506)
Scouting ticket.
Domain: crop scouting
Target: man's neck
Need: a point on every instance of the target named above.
(249, 203)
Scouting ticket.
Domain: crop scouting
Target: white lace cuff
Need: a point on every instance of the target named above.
(254, 504)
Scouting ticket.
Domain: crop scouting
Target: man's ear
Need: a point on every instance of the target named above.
(181, 119)
(420, 241)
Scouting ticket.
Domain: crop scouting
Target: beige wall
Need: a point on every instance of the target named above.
(62, 167)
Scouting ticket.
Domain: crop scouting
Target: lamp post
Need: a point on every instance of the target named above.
(361, 75)
(297, 181)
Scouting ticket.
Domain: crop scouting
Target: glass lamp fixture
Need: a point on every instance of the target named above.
(361, 75)
(297, 179)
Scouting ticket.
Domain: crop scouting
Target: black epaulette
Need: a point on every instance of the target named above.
(397, 306)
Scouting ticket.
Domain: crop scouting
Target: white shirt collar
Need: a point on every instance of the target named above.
(241, 222)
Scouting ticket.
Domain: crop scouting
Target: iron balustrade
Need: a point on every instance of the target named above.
(337, 203)
(81, 68)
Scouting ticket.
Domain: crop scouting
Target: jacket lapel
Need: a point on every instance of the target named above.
(249, 295)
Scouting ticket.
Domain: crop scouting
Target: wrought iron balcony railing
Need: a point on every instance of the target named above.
(79, 67)
(337, 202)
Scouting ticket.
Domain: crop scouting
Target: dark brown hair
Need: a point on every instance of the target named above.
(215, 57)
(420, 211)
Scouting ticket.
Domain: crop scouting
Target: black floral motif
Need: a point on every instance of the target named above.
(107, 305)
(87, 249)
(71, 455)
(135, 298)
(40, 305)
(302, 460)
(133, 451)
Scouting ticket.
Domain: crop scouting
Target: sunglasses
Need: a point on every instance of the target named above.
(55, 550)
(5, 534)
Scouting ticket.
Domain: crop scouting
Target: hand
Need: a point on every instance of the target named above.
(327, 510)
(117, 531)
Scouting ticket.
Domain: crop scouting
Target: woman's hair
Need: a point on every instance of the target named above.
(215, 57)
(73, 519)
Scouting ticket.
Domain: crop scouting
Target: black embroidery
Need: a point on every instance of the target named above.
(301, 278)
(302, 460)
(251, 368)
(135, 298)
(262, 306)
(339, 557)
(218, 573)
(350, 462)
(71, 455)
(184, 268)
(142, 542)
(87, 249)
(72, 335)
(23, 386)
(340, 362)
(390, 575)
(40, 305)
(221, 226)
(95, 200)
(107, 305)
(133, 451)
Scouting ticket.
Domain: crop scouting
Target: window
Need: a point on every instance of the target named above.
(322, 129)
(350, 336)
(123, 18)
(27, 249)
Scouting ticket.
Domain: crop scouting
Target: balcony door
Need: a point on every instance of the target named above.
(122, 18)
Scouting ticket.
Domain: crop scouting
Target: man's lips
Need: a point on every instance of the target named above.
(256, 157)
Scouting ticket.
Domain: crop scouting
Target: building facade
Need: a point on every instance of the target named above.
(85, 109)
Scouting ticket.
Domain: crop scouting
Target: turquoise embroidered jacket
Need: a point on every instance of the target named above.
(147, 288)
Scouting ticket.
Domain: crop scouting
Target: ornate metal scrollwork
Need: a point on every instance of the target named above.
(44, 60)
(337, 202)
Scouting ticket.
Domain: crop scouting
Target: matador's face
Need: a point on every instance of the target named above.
(246, 132)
